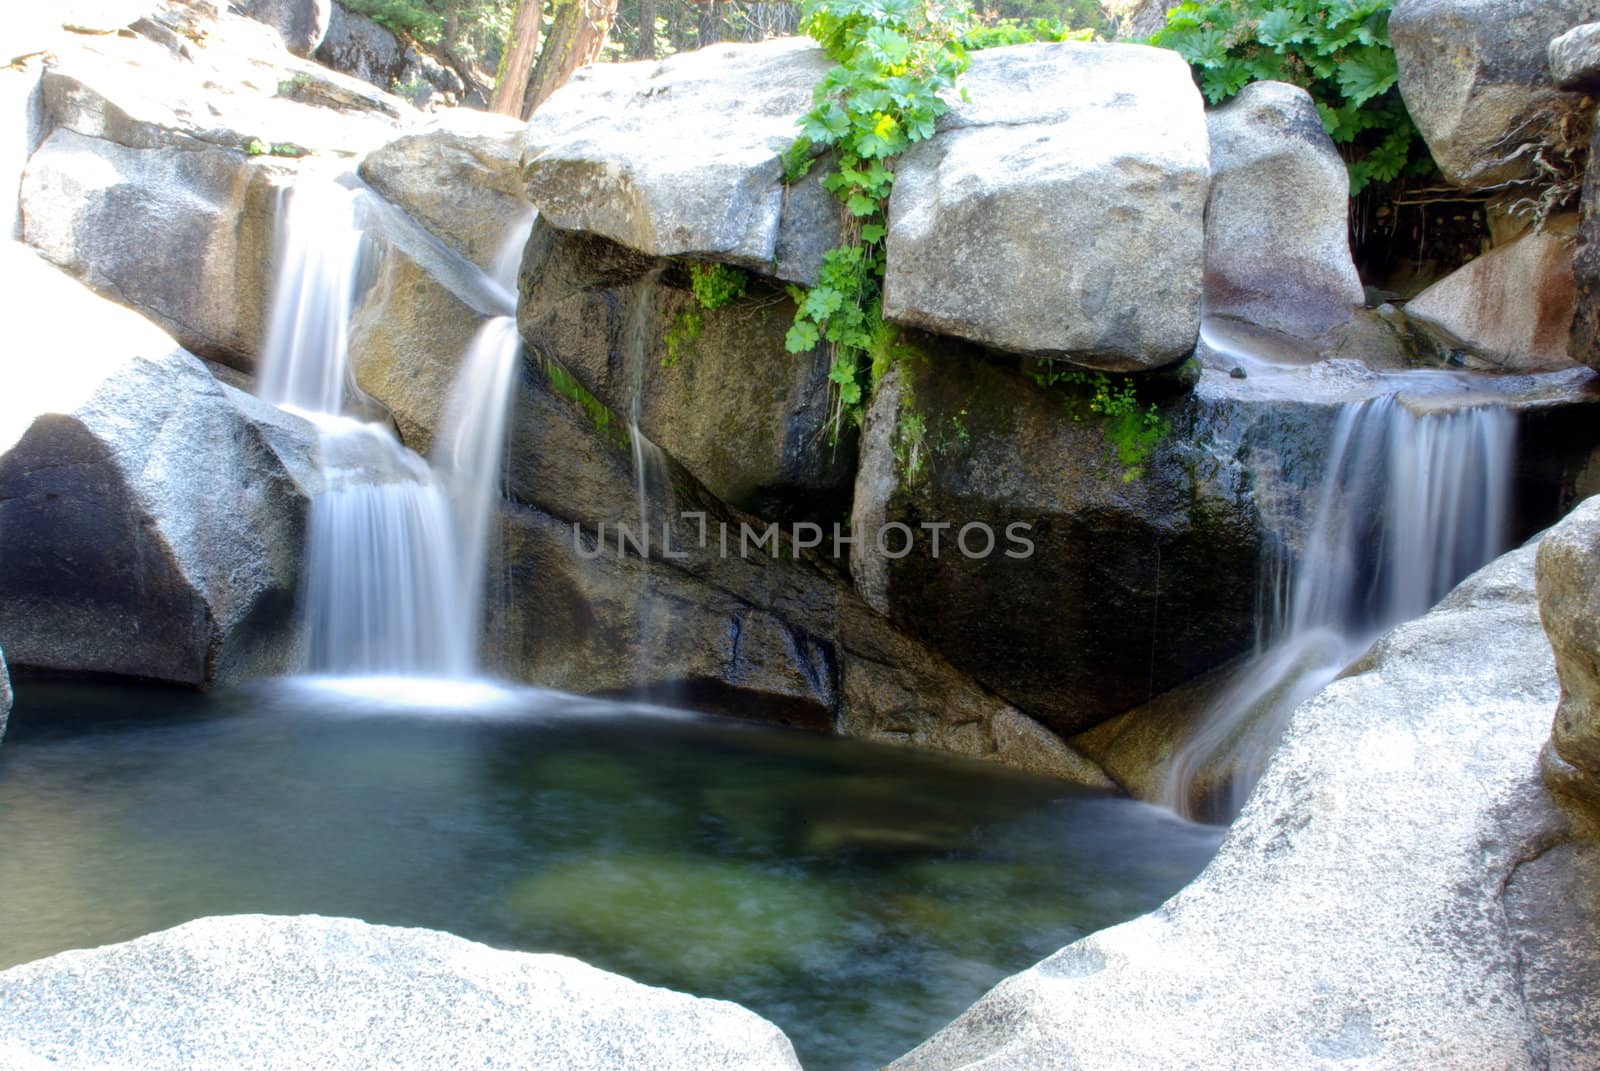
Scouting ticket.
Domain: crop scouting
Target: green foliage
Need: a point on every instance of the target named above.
(1002, 32)
(472, 30)
(894, 59)
(713, 286)
(604, 421)
(1337, 50)
(1132, 429)
(257, 147)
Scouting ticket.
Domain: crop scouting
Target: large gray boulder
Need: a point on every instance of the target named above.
(107, 213)
(459, 177)
(780, 637)
(263, 992)
(1060, 210)
(1400, 892)
(301, 23)
(157, 159)
(1510, 309)
(359, 47)
(1277, 232)
(682, 157)
(1575, 58)
(1569, 604)
(151, 520)
(1475, 75)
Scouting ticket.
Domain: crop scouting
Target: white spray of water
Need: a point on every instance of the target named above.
(305, 362)
(1410, 504)
(396, 551)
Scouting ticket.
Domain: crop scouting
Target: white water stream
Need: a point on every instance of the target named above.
(1410, 503)
(397, 547)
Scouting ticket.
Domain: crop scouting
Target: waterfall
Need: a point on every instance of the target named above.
(1410, 504)
(396, 547)
(305, 362)
(469, 454)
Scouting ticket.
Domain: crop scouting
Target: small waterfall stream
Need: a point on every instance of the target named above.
(1410, 504)
(397, 547)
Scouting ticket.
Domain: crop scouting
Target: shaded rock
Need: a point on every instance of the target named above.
(301, 23)
(107, 213)
(460, 179)
(1584, 344)
(1400, 891)
(1475, 75)
(359, 47)
(1569, 604)
(407, 338)
(1137, 749)
(681, 157)
(1509, 310)
(1575, 58)
(260, 991)
(427, 83)
(151, 521)
(1277, 237)
(716, 389)
(1060, 211)
(1121, 586)
(774, 638)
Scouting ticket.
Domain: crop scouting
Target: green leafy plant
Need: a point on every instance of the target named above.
(894, 59)
(713, 286)
(1001, 32)
(1132, 429)
(1337, 50)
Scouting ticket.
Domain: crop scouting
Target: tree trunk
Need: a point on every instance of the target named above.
(576, 36)
(646, 46)
(710, 23)
(516, 59)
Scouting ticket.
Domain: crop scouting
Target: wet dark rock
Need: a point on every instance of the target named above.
(726, 398)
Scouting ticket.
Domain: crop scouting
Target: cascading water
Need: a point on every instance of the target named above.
(396, 549)
(1410, 504)
(304, 364)
(469, 455)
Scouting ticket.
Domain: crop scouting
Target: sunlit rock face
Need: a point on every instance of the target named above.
(151, 520)
(1060, 209)
(1401, 831)
(1475, 75)
(682, 157)
(1510, 310)
(1569, 604)
(176, 161)
(262, 991)
(460, 178)
(1277, 240)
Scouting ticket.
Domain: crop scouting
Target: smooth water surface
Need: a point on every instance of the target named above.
(860, 897)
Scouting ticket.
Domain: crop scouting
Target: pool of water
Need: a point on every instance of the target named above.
(858, 896)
